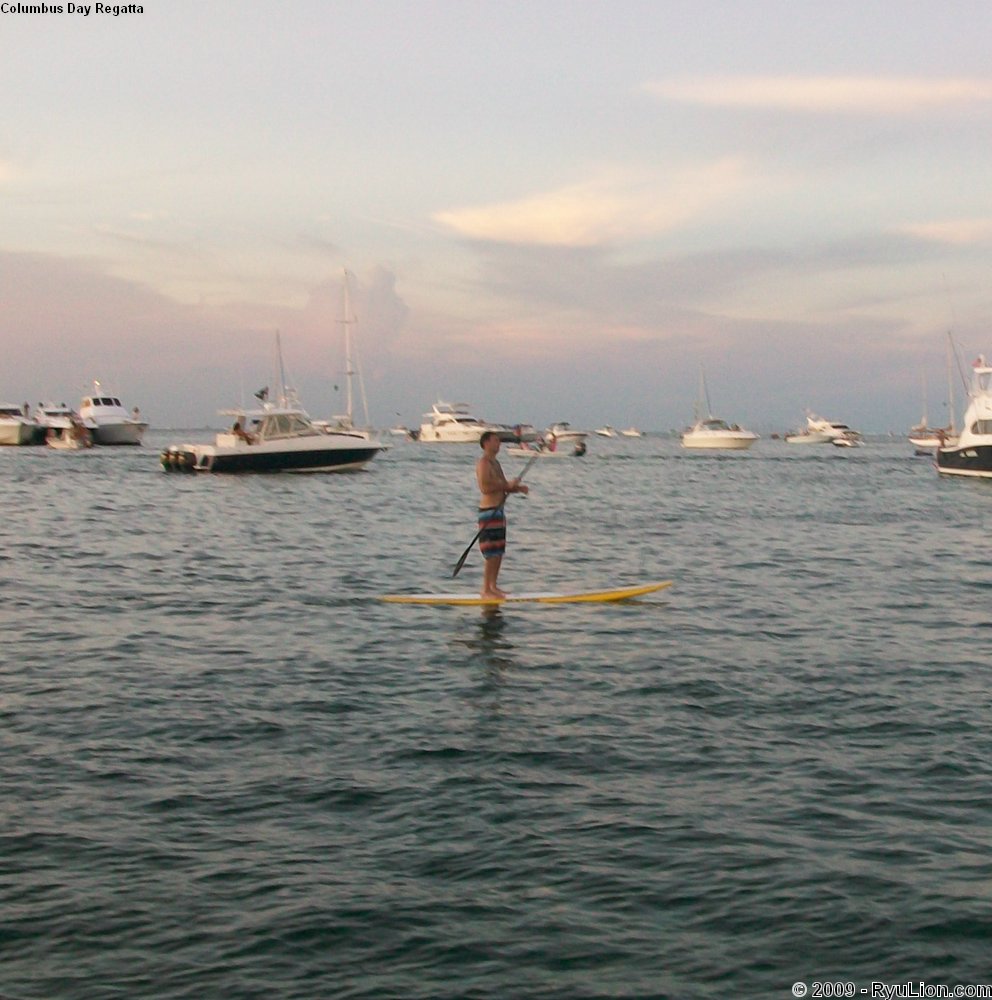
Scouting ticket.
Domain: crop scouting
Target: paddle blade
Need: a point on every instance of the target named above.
(461, 562)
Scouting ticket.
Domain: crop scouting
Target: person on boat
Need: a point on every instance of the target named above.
(239, 432)
(494, 488)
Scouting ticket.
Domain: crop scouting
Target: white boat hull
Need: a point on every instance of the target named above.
(126, 433)
(451, 435)
(722, 442)
(814, 438)
(20, 434)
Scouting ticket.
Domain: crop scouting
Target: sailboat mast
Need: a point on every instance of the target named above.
(950, 383)
(352, 367)
(282, 371)
(704, 396)
(348, 371)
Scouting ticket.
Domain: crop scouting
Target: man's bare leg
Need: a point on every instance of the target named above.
(490, 573)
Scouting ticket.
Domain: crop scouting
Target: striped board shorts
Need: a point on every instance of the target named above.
(492, 528)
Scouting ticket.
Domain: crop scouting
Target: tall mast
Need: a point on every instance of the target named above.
(348, 371)
(704, 397)
(950, 383)
(281, 401)
(352, 366)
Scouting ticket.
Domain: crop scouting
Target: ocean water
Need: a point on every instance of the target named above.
(229, 771)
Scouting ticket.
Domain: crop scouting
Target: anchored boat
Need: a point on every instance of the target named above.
(972, 454)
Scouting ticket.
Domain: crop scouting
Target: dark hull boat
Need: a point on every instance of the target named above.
(971, 455)
(275, 439)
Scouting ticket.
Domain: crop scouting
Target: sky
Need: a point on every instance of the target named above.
(550, 210)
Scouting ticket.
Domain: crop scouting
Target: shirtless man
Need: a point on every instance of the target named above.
(494, 489)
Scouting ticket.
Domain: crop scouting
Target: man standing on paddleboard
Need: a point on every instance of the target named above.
(495, 488)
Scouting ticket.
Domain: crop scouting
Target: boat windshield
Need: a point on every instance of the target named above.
(283, 425)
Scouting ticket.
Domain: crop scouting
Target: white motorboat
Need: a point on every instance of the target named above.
(17, 427)
(108, 421)
(632, 432)
(63, 429)
(277, 437)
(606, 431)
(563, 433)
(716, 433)
(453, 423)
(574, 448)
(971, 455)
(821, 431)
(712, 432)
(274, 438)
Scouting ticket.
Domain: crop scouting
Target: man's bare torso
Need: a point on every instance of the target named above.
(493, 486)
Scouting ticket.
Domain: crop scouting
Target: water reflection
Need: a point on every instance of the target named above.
(489, 642)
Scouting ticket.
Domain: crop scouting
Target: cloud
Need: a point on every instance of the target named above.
(956, 232)
(621, 207)
(6, 172)
(827, 94)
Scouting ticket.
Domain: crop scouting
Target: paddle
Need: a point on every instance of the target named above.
(464, 556)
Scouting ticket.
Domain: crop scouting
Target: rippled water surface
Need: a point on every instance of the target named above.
(228, 771)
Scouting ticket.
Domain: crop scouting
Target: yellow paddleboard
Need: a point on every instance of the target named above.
(548, 597)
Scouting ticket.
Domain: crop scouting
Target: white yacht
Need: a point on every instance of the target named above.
(108, 421)
(712, 432)
(631, 432)
(17, 428)
(972, 454)
(453, 423)
(606, 431)
(821, 431)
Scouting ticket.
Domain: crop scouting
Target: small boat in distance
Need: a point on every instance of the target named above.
(971, 455)
(821, 431)
(712, 432)
(926, 438)
(108, 421)
(563, 432)
(607, 431)
(632, 432)
(549, 448)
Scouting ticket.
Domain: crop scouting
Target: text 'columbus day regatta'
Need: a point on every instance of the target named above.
(72, 8)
